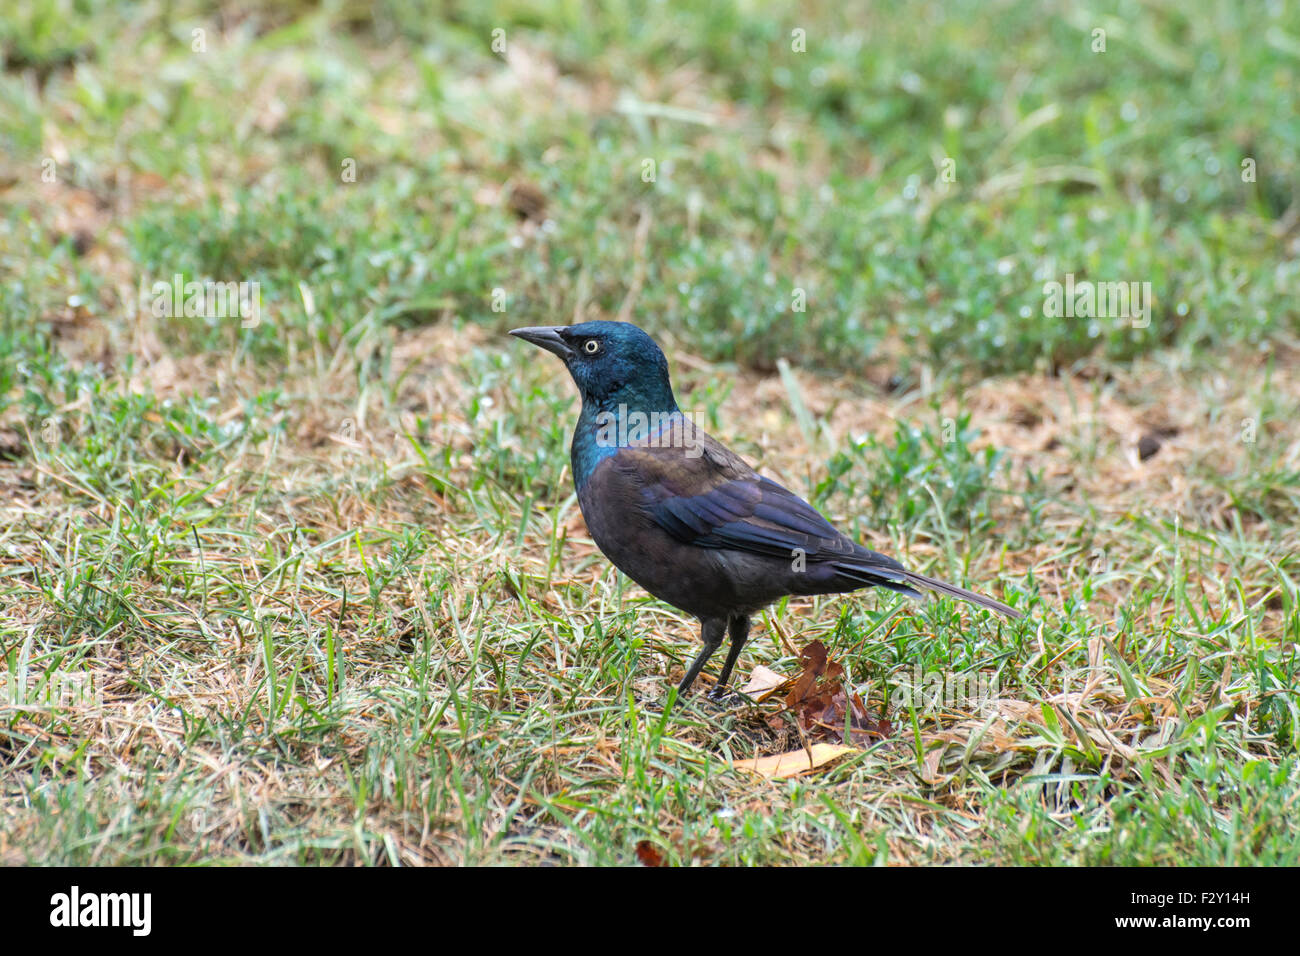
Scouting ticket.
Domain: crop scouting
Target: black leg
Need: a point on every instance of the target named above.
(739, 635)
(711, 631)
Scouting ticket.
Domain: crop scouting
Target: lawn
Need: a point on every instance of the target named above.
(301, 578)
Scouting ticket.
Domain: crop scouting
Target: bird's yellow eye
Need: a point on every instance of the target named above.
(591, 346)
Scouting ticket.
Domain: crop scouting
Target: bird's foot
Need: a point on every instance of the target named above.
(723, 697)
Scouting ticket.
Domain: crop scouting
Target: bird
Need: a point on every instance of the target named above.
(688, 519)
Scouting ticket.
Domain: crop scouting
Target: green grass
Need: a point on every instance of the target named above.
(317, 591)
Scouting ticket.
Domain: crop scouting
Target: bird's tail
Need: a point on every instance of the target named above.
(878, 570)
(943, 587)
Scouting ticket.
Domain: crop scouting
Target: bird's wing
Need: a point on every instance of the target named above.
(704, 494)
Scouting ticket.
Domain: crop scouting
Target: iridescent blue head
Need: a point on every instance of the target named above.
(612, 363)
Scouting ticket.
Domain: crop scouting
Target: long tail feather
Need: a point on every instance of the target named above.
(870, 568)
(943, 587)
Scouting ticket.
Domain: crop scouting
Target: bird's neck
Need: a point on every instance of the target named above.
(611, 422)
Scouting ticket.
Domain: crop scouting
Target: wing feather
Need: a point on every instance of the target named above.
(703, 494)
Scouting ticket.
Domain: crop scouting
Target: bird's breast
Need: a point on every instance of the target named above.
(620, 527)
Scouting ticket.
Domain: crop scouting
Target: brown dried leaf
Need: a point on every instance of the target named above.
(823, 707)
(648, 854)
(930, 772)
(780, 766)
(528, 202)
(763, 683)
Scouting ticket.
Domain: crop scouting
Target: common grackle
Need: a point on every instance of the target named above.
(685, 517)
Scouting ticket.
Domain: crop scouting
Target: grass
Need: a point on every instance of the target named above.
(317, 590)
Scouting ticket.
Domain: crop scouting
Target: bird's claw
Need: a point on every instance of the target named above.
(720, 695)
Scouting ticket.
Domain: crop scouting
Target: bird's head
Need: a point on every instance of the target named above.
(611, 363)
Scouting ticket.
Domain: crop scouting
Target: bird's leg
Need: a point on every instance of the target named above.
(739, 627)
(711, 631)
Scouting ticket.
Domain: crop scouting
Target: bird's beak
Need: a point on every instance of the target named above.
(545, 337)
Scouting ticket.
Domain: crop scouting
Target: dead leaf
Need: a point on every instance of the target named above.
(780, 766)
(527, 202)
(930, 766)
(763, 683)
(823, 707)
(1148, 445)
(648, 854)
